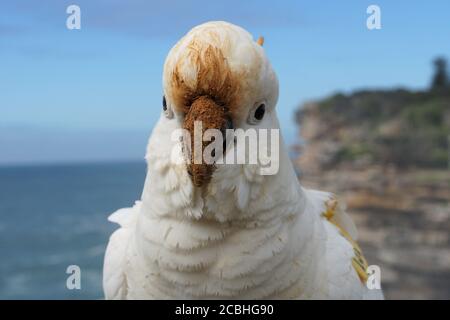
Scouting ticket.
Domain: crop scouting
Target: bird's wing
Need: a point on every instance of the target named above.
(344, 281)
(335, 211)
(114, 279)
(348, 267)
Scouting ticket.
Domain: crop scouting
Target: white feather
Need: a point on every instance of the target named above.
(244, 235)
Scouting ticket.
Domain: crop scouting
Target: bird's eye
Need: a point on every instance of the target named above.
(164, 103)
(167, 110)
(257, 114)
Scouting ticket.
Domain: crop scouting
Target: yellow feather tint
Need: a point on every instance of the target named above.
(358, 261)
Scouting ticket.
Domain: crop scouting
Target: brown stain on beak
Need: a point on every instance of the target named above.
(212, 116)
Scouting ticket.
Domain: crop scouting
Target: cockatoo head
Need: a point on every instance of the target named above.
(219, 76)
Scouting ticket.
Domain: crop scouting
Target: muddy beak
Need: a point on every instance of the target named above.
(211, 115)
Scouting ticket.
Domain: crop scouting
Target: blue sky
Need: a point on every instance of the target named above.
(95, 93)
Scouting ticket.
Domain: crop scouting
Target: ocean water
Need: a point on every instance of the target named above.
(55, 216)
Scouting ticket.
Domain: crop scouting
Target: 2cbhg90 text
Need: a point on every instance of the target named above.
(245, 309)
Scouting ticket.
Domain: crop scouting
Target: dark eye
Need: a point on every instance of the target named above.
(259, 112)
(167, 109)
(164, 103)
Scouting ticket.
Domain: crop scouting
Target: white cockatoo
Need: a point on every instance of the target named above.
(205, 231)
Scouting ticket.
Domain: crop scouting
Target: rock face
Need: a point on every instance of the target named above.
(399, 127)
(385, 153)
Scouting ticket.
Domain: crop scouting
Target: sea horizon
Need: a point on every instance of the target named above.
(69, 163)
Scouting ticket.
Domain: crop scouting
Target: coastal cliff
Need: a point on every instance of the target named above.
(386, 153)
